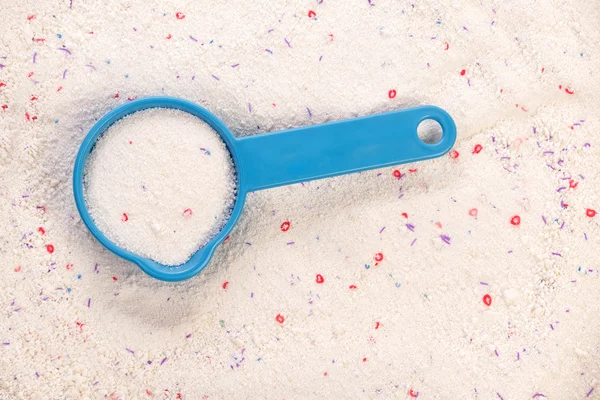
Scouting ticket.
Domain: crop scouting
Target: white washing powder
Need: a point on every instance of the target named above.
(160, 183)
(292, 305)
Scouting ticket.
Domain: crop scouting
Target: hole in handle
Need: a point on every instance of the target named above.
(429, 131)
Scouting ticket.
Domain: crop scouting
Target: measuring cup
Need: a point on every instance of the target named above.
(279, 158)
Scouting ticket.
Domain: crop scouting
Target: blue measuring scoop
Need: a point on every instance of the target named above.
(279, 158)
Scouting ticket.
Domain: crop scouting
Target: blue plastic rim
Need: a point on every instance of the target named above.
(279, 158)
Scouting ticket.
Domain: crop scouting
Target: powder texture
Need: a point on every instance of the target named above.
(405, 258)
(160, 183)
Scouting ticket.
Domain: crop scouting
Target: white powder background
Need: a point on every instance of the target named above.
(160, 183)
(417, 318)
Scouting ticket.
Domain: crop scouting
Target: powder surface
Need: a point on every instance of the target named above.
(364, 286)
(160, 183)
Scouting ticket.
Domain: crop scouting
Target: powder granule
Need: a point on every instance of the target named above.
(160, 183)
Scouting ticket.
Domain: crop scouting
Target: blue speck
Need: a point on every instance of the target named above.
(581, 54)
(79, 276)
(367, 266)
(126, 75)
(108, 61)
(69, 289)
(56, 121)
(398, 284)
(438, 22)
(59, 35)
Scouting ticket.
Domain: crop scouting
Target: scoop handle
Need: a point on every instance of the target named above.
(341, 147)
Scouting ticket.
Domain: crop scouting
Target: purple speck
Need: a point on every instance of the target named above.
(216, 77)
(537, 395)
(413, 242)
(34, 56)
(496, 352)
(483, 283)
(382, 229)
(89, 302)
(287, 42)
(129, 350)
(410, 227)
(65, 50)
(188, 335)
(501, 398)
(589, 393)
(235, 65)
(556, 254)
(309, 113)
(249, 108)
(320, 58)
(544, 219)
(193, 38)
(163, 361)
(552, 326)
(445, 238)
(289, 243)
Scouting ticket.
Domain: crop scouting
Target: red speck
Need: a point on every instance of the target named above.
(91, 33)
(131, 98)
(29, 18)
(41, 230)
(573, 184)
(454, 154)
(226, 239)
(179, 15)
(33, 98)
(170, 36)
(149, 393)
(515, 220)
(39, 40)
(29, 75)
(397, 173)
(473, 212)
(50, 248)
(438, 224)
(285, 226)
(352, 287)
(590, 212)
(378, 257)
(413, 394)
(501, 90)
(487, 300)
(130, 142)
(377, 325)
(331, 36)
(543, 69)
(80, 325)
(116, 96)
(560, 87)
(569, 91)
(33, 118)
(2, 84)
(115, 278)
(477, 149)
(18, 268)
(279, 318)
(225, 284)
(59, 89)
(392, 94)
(320, 278)
(311, 14)
(412, 170)
(274, 105)
(365, 359)
(179, 396)
(447, 45)
(27, 116)
(69, 267)
(187, 213)
(124, 217)
(565, 205)
(4, 106)
(405, 215)
(463, 72)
